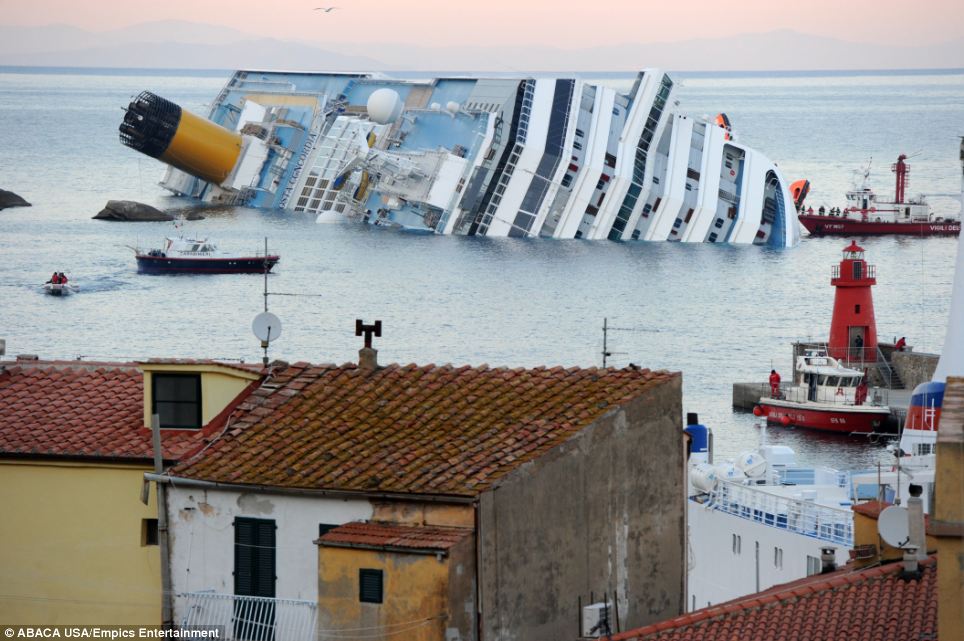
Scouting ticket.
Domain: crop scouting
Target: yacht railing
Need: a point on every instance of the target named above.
(876, 396)
(805, 517)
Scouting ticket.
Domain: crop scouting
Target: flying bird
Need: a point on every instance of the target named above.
(325, 9)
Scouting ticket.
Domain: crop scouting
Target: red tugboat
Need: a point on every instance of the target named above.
(865, 214)
(826, 394)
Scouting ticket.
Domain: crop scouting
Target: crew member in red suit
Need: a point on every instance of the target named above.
(860, 396)
(900, 345)
(774, 384)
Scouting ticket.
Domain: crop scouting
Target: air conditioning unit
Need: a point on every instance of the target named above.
(596, 620)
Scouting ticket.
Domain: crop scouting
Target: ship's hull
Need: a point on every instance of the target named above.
(839, 225)
(845, 419)
(171, 265)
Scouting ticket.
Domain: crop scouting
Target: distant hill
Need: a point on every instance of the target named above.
(169, 44)
(188, 45)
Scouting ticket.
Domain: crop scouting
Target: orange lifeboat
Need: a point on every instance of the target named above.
(724, 123)
(798, 191)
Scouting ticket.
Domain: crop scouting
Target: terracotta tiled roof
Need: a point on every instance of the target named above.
(875, 604)
(408, 429)
(76, 408)
(392, 536)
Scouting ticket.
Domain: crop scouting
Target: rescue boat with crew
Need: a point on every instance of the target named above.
(866, 214)
(186, 255)
(825, 395)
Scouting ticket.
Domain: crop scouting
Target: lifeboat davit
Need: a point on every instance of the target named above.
(723, 122)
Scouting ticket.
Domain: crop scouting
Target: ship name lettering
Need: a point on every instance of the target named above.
(299, 167)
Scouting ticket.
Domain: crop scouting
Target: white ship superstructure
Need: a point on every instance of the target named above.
(761, 520)
(550, 157)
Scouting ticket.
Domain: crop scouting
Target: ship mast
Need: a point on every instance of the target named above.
(901, 170)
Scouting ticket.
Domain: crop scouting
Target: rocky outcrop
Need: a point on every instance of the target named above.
(10, 199)
(132, 211)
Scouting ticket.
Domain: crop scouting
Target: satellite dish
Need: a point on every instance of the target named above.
(894, 526)
(266, 326)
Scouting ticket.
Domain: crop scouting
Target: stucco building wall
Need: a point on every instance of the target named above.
(601, 513)
(72, 548)
(202, 537)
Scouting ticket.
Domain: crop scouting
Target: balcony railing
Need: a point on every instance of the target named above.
(795, 515)
(251, 618)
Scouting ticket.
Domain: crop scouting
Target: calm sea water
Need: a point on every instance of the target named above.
(719, 314)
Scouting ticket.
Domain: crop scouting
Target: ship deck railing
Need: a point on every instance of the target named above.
(803, 516)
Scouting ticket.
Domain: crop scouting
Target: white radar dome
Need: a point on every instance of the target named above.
(452, 107)
(435, 106)
(384, 106)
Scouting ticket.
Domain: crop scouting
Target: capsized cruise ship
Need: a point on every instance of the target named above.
(550, 157)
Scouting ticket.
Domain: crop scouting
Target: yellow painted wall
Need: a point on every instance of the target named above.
(71, 548)
(949, 509)
(424, 514)
(219, 387)
(415, 588)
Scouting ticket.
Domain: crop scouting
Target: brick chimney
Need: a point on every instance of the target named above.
(368, 359)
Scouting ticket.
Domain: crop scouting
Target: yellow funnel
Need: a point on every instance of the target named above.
(162, 130)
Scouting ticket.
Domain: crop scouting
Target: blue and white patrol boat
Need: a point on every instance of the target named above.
(185, 255)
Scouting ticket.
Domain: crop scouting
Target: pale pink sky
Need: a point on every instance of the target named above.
(566, 23)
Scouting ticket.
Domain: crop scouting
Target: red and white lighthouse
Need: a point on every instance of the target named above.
(853, 330)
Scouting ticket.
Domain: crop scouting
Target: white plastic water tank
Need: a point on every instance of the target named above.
(780, 455)
(384, 106)
(728, 471)
(703, 477)
(752, 464)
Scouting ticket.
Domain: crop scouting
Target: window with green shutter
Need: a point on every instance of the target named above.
(254, 575)
(370, 586)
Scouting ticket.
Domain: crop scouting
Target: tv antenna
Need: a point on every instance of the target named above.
(605, 350)
(609, 328)
(266, 326)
